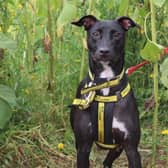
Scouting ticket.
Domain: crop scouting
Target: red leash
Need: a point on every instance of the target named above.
(132, 69)
(166, 50)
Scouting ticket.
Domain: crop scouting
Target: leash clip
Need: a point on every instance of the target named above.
(90, 97)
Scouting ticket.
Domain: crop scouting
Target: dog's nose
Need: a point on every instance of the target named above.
(104, 51)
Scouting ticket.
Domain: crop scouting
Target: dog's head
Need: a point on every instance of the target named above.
(105, 39)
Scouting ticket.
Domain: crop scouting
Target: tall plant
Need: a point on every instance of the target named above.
(50, 39)
(28, 15)
(155, 68)
(152, 52)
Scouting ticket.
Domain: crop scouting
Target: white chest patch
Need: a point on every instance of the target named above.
(106, 73)
(105, 91)
(120, 125)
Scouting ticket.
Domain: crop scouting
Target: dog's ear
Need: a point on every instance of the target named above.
(86, 21)
(127, 23)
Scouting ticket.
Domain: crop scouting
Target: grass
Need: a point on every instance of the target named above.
(31, 148)
(27, 146)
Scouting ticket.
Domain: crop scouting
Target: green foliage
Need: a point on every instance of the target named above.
(164, 73)
(5, 113)
(159, 3)
(6, 42)
(8, 95)
(67, 14)
(7, 102)
(123, 9)
(151, 51)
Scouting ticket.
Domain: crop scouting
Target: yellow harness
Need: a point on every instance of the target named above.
(91, 91)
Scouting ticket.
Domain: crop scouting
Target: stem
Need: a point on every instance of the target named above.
(51, 56)
(91, 4)
(4, 9)
(82, 67)
(155, 67)
(29, 37)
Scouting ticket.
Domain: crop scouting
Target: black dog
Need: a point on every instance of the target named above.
(105, 110)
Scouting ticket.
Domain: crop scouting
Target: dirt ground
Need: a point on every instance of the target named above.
(121, 162)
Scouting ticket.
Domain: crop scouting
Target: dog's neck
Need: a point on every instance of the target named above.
(106, 69)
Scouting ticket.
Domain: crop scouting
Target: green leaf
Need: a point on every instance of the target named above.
(11, 2)
(164, 73)
(151, 51)
(67, 14)
(42, 7)
(142, 13)
(159, 3)
(56, 4)
(108, 4)
(8, 94)
(6, 42)
(5, 113)
(123, 7)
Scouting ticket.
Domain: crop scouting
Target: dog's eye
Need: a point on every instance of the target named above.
(96, 34)
(115, 34)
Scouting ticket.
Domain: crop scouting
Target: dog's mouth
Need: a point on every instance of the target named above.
(104, 58)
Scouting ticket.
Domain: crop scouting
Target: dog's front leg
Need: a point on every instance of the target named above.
(82, 127)
(83, 152)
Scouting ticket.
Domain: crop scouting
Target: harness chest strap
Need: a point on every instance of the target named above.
(101, 118)
(101, 122)
(83, 103)
(101, 133)
(113, 98)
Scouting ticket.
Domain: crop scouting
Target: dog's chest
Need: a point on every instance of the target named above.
(107, 73)
(107, 124)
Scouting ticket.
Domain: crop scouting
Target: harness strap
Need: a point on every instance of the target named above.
(113, 98)
(111, 146)
(101, 134)
(101, 119)
(91, 75)
(110, 83)
(101, 122)
(84, 103)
